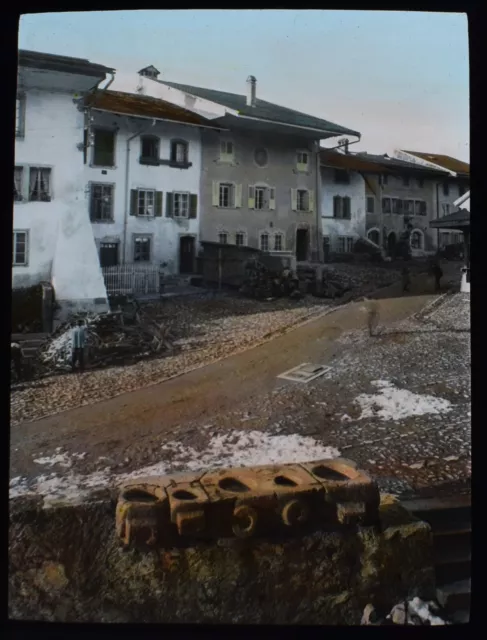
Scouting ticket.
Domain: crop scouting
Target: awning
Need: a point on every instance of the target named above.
(457, 220)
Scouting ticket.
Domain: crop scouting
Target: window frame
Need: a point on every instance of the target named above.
(264, 234)
(384, 208)
(302, 167)
(224, 156)
(143, 190)
(446, 188)
(15, 232)
(422, 205)
(48, 197)
(149, 159)
(280, 235)
(370, 199)
(20, 193)
(93, 147)
(419, 233)
(231, 200)
(244, 236)
(187, 194)
(173, 156)
(220, 235)
(260, 189)
(298, 208)
(111, 185)
(142, 236)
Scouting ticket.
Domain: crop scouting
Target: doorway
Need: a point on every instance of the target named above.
(302, 242)
(186, 254)
(108, 254)
(391, 244)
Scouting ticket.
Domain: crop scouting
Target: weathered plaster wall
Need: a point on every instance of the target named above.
(65, 564)
(333, 227)
(279, 173)
(165, 232)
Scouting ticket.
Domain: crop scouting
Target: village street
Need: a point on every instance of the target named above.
(397, 403)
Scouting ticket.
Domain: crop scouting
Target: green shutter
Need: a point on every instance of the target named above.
(311, 200)
(193, 205)
(294, 199)
(336, 206)
(158, 207)
(133, 202)
(216, 194)
(346, 208)
(251, 202)
(168, 204)
(272, 198)
(238, 196)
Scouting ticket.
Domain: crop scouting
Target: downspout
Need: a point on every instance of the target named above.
(437, 215)
(319, 230)
(127, 186)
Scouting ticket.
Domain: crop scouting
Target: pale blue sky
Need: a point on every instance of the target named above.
(400, 78)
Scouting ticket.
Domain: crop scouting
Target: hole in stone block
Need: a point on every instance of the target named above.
(139, 495)
(232, 484)
(284, 482)
(182, 494)
(328, 474)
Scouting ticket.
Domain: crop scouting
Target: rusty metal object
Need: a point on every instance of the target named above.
(242, 502)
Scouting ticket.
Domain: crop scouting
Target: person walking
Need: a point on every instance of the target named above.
(406, 279)
(79, 343)
(438, 274)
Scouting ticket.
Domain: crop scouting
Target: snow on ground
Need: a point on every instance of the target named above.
(392, 403)
(231, 449)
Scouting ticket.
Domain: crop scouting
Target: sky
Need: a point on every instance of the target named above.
(399, 78)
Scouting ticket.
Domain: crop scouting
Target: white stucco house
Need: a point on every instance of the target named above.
(52, 236)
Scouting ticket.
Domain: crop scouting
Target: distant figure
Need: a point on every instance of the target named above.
(79, 343)
(406, 279)
(16, 358)
(438, 274)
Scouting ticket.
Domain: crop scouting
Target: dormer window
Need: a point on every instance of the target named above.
(149, 72)
(179, 152)
(149, 150)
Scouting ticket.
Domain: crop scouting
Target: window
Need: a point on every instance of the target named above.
(101, 202)
(264, 242)
(278, 244)
(349, 244)
(420, 183)
(180, 204)
(461, 190)
(396, 205)
(408, 207)
(240, 239)
(370, 204)
(446, 188)
(342, 176)
(384, 179)
(20, 117)
(18, 183)
(446, 209)
(419, 208)
(416, 240)
(179, 152)
(261, 157)
(341, 207)
(149, 150)
(227, 195)
(386, 205)
(302, 161)
(19, 248)
(260, 197)
(145, 202)
(104, 148)
(226, 151)
(142, 249)
(341, 244)
(405, 181)
(302, 200)
(39, 184)
(223, 237)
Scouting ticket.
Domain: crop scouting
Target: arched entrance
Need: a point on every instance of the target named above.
(391, 243)
(417, 239)
(373, 236)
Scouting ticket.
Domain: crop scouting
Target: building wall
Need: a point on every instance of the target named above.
(394, 223)
(53, 129)
(165, 231)
(280, 174)
(333, 227)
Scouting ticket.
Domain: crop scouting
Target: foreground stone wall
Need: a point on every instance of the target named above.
(67, 564)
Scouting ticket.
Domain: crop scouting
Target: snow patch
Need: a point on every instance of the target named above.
(392, 403)
(232, 449)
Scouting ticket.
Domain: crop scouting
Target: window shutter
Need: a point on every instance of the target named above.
(337, 207)
(251, 197)
(423, 208)
(169, 205)
(238, 196)
(346, 208)
(158, 207)
(272, 199)
(294, 199)
(216, 193)
(193, 205)
(133, 202)
(311, 200)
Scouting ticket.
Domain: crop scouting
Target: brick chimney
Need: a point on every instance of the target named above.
(251, 89)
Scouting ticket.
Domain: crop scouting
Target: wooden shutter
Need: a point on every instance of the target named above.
(216, 193)
(158, 207)
(311, 200)
(422, 208)
(346, 208)
(251, 197)
(337, 207)
(133, 202)
(272, 198)
(193, 205)
(169, 205)
(238, 196)
(294, 199)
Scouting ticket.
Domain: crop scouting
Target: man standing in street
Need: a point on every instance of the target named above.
(79, 342)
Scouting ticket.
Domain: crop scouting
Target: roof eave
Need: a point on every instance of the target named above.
(157, 118)
(327, 132)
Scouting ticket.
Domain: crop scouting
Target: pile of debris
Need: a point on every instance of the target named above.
(410, 612)
(269, 279)
(323, 281)
(111, 338)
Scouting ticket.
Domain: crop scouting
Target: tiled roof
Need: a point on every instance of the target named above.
(138, 105)
(53, 62)
(368, 162)
(452, 164)
(398, 165)
(460, 218)
(262, 109)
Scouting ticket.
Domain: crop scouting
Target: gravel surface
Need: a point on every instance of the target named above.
(209, 327)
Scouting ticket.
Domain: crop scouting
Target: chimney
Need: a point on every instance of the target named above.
(251, 87)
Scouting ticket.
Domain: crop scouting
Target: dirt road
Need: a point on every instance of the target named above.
(131, 426)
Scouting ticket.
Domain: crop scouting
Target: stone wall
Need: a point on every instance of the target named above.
(67, 563)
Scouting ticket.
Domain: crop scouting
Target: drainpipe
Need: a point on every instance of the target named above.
(437, 215)
(381, 214)
(319, 231)
(127, 188)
